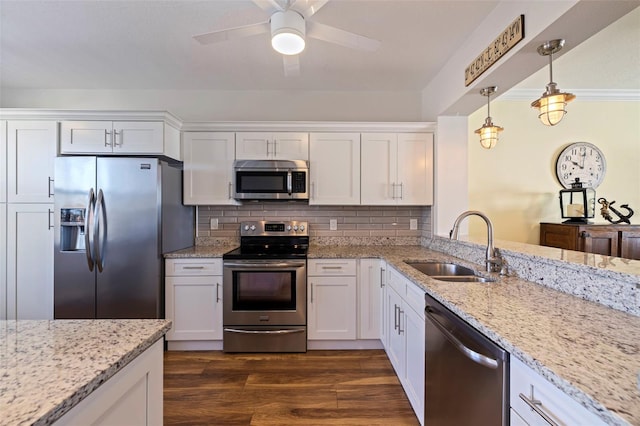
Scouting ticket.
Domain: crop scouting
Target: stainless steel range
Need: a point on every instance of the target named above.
(265, 288)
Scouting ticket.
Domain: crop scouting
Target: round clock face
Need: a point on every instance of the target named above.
(581, 160)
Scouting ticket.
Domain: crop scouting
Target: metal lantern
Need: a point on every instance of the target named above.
(577, 204)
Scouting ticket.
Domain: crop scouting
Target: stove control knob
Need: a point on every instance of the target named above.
(253, 227)
(288, 227)
(295, 228)
(302, 227)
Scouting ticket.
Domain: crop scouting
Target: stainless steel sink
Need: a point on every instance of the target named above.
(451, 272)
(441, 269)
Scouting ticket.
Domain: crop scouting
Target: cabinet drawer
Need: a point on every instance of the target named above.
(415, 298)
(553, 402)
(181, 267)
(331, 267)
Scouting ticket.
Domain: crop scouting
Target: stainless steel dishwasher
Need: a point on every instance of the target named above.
(467, 375)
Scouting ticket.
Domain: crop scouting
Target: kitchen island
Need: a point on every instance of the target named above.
(53, 371)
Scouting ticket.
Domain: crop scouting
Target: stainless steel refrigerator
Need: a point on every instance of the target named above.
(114, 219)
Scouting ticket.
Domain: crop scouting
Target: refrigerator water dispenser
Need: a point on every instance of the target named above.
(72, 229)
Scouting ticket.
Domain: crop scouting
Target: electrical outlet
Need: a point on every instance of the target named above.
(213, 224)
(333, 224)
(413, 224)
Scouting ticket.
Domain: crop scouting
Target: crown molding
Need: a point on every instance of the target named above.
(308, 126)
(97, 115)
(597, 95)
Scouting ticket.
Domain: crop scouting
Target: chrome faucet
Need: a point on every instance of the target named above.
(493, 261)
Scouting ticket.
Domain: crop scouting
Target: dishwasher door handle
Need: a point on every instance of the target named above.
(469, 353)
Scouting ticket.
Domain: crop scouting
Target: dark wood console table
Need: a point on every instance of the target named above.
(610, 240)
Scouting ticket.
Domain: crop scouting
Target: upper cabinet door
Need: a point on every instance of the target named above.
(138, 137)
(208, 167)
(31, 152)
(86, 137)
(334, 167)
(272, 146)
(291, 146)
(415, 169)
(378, 174)
(3, 163)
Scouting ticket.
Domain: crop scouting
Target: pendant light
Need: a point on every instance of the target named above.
(488, 132)
(552, 102)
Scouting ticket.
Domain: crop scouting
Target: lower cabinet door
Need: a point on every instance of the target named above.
(396, 338)
(29, 261)
(413, 382)
(331, 308)
(194, 304)
(369, 282)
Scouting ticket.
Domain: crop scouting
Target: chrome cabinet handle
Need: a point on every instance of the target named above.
(50, 212)
(332, 267)
(395, 316)
(393, 190)
(275, 147)
(311, 292)
(115, 137)
(537, 406)
(230, 186)
(217, 292)
(400, 312)
(193, 267)
(50, 194)
(401, 191)
(474, 356)
(268, 147)
(110, 142)
(381, 277)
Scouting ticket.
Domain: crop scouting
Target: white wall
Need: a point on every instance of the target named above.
(514, 183)
(210, 105)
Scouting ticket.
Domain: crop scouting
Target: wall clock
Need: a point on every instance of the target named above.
(581, 160)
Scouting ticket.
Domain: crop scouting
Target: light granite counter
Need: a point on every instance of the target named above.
(201, 251)
(47, 367)
(588, 350)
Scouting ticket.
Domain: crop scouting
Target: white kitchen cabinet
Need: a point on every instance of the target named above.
(30, 261)
(3, 261)
(528, 386)
(133, 396)
(396, 169)
(369, 291)
(193, 299)
(272, 146)
(331, 293)
(3, 161)
(208, 167)
(406, 343)
(334, 168)
(119, 137)
(31, 153)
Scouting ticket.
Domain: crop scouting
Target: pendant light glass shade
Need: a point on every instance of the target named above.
(287, 32)
(552, 103)
(488, 132)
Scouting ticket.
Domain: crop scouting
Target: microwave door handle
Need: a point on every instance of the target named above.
(289, 183)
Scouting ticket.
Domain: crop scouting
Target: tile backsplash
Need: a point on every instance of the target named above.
(355, 224)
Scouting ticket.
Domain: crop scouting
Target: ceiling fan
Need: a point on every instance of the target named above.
(289, 24)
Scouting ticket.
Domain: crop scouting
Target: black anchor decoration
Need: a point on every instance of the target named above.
(604, 211)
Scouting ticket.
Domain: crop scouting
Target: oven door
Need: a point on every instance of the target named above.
(264, 292)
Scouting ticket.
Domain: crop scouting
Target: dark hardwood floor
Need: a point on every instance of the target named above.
(315, 388)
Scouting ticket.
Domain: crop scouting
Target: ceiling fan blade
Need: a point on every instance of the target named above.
(232, 33)
(268, 6)
(309, 7)
(291, 65)
(341, 37)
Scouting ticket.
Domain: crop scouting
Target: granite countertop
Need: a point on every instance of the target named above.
(590, 351)
(47, 367)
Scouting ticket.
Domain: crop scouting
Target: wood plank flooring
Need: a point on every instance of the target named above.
(314, 388)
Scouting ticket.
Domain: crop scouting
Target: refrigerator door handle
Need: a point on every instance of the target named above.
(88, 231)
(99, 237)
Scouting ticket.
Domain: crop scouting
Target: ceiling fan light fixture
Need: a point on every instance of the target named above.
(287, 32)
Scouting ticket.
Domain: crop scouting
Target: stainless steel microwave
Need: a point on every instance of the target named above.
(271, 179)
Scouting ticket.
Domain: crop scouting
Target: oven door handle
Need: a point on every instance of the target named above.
(251, 265)
(235, 330)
